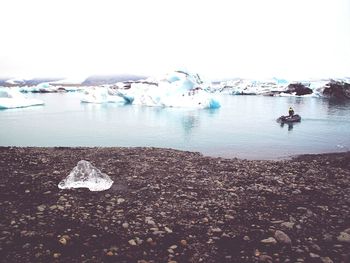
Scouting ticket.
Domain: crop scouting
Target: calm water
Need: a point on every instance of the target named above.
(243, 127)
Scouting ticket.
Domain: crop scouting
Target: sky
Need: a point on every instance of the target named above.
(217, 39)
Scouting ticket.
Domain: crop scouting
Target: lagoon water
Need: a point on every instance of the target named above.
(244, 126)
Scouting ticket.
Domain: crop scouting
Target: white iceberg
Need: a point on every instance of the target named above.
(85, 175)
(178, 89)
(101, 95)
(251, 87)
(12, 98)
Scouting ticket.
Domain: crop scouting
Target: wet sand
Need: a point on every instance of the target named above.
(167, 205)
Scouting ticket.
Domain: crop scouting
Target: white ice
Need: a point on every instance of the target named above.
(12, 98)
(274, 86)
(177, 89)
(85, 175)
(101, 95)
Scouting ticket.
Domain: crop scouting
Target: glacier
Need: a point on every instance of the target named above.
(85, 175)
(12, 98)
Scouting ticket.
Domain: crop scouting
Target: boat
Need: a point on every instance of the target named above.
(289, 119)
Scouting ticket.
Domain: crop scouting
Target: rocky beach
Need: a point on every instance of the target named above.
(174, 206)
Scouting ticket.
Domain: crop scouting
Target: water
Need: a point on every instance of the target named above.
(243, 127)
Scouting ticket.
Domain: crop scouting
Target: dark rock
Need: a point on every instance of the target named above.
(337, 89)
(298, 88)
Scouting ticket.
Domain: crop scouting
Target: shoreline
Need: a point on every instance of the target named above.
(170, 205)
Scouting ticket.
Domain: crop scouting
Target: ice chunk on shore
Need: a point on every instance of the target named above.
(85, 175)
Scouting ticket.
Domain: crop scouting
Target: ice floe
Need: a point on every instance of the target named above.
(46, 87)
(102, 95)
(12, 98)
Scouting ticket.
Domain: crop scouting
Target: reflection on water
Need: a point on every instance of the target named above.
(189, 122)
(289, 125)
(245, 126)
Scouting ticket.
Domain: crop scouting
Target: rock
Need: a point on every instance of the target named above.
(168, 230)
(315, 248)
(120, 201)
(183, 242)
(287, 225)
(327, 237)
(59, 207)
(229, 217)
(269, 241)
(216, 230)
(125, 225)
(139, 241)
(62, 241)
(337, 89)
(347, 230)
(56, 255)
(326, 260)
(344, 237)
(282, 238)
(109, 253)
(298, 88)
(132, 242)
(314, 256)
(173, 247)
(41, 208)
(149, 220)
(265, 258)
(26, 246)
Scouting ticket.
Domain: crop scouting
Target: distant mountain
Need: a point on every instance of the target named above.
(110, 79)
(25, 82)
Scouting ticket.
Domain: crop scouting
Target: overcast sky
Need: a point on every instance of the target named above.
(243, 38)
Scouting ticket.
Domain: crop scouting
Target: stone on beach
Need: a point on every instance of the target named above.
(85, 175)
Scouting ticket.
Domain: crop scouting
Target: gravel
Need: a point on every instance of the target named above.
(174, 206)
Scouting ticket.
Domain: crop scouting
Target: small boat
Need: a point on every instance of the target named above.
(288, 119)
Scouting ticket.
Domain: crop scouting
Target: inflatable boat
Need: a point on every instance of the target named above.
(288, 119)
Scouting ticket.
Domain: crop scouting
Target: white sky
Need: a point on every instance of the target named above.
(242, 38)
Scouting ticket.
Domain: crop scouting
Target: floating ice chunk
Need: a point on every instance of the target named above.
(101, 95)
(85, 175)
(12, 98)
(177, 89)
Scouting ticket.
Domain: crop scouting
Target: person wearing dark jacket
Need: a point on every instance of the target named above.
(291, 112)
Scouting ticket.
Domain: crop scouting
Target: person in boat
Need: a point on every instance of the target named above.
(291, 112)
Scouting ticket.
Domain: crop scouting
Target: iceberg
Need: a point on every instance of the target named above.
(280, 87)
(85, 175)
(102, 95)
(177, 89)
(251, 87)
(12, 98)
